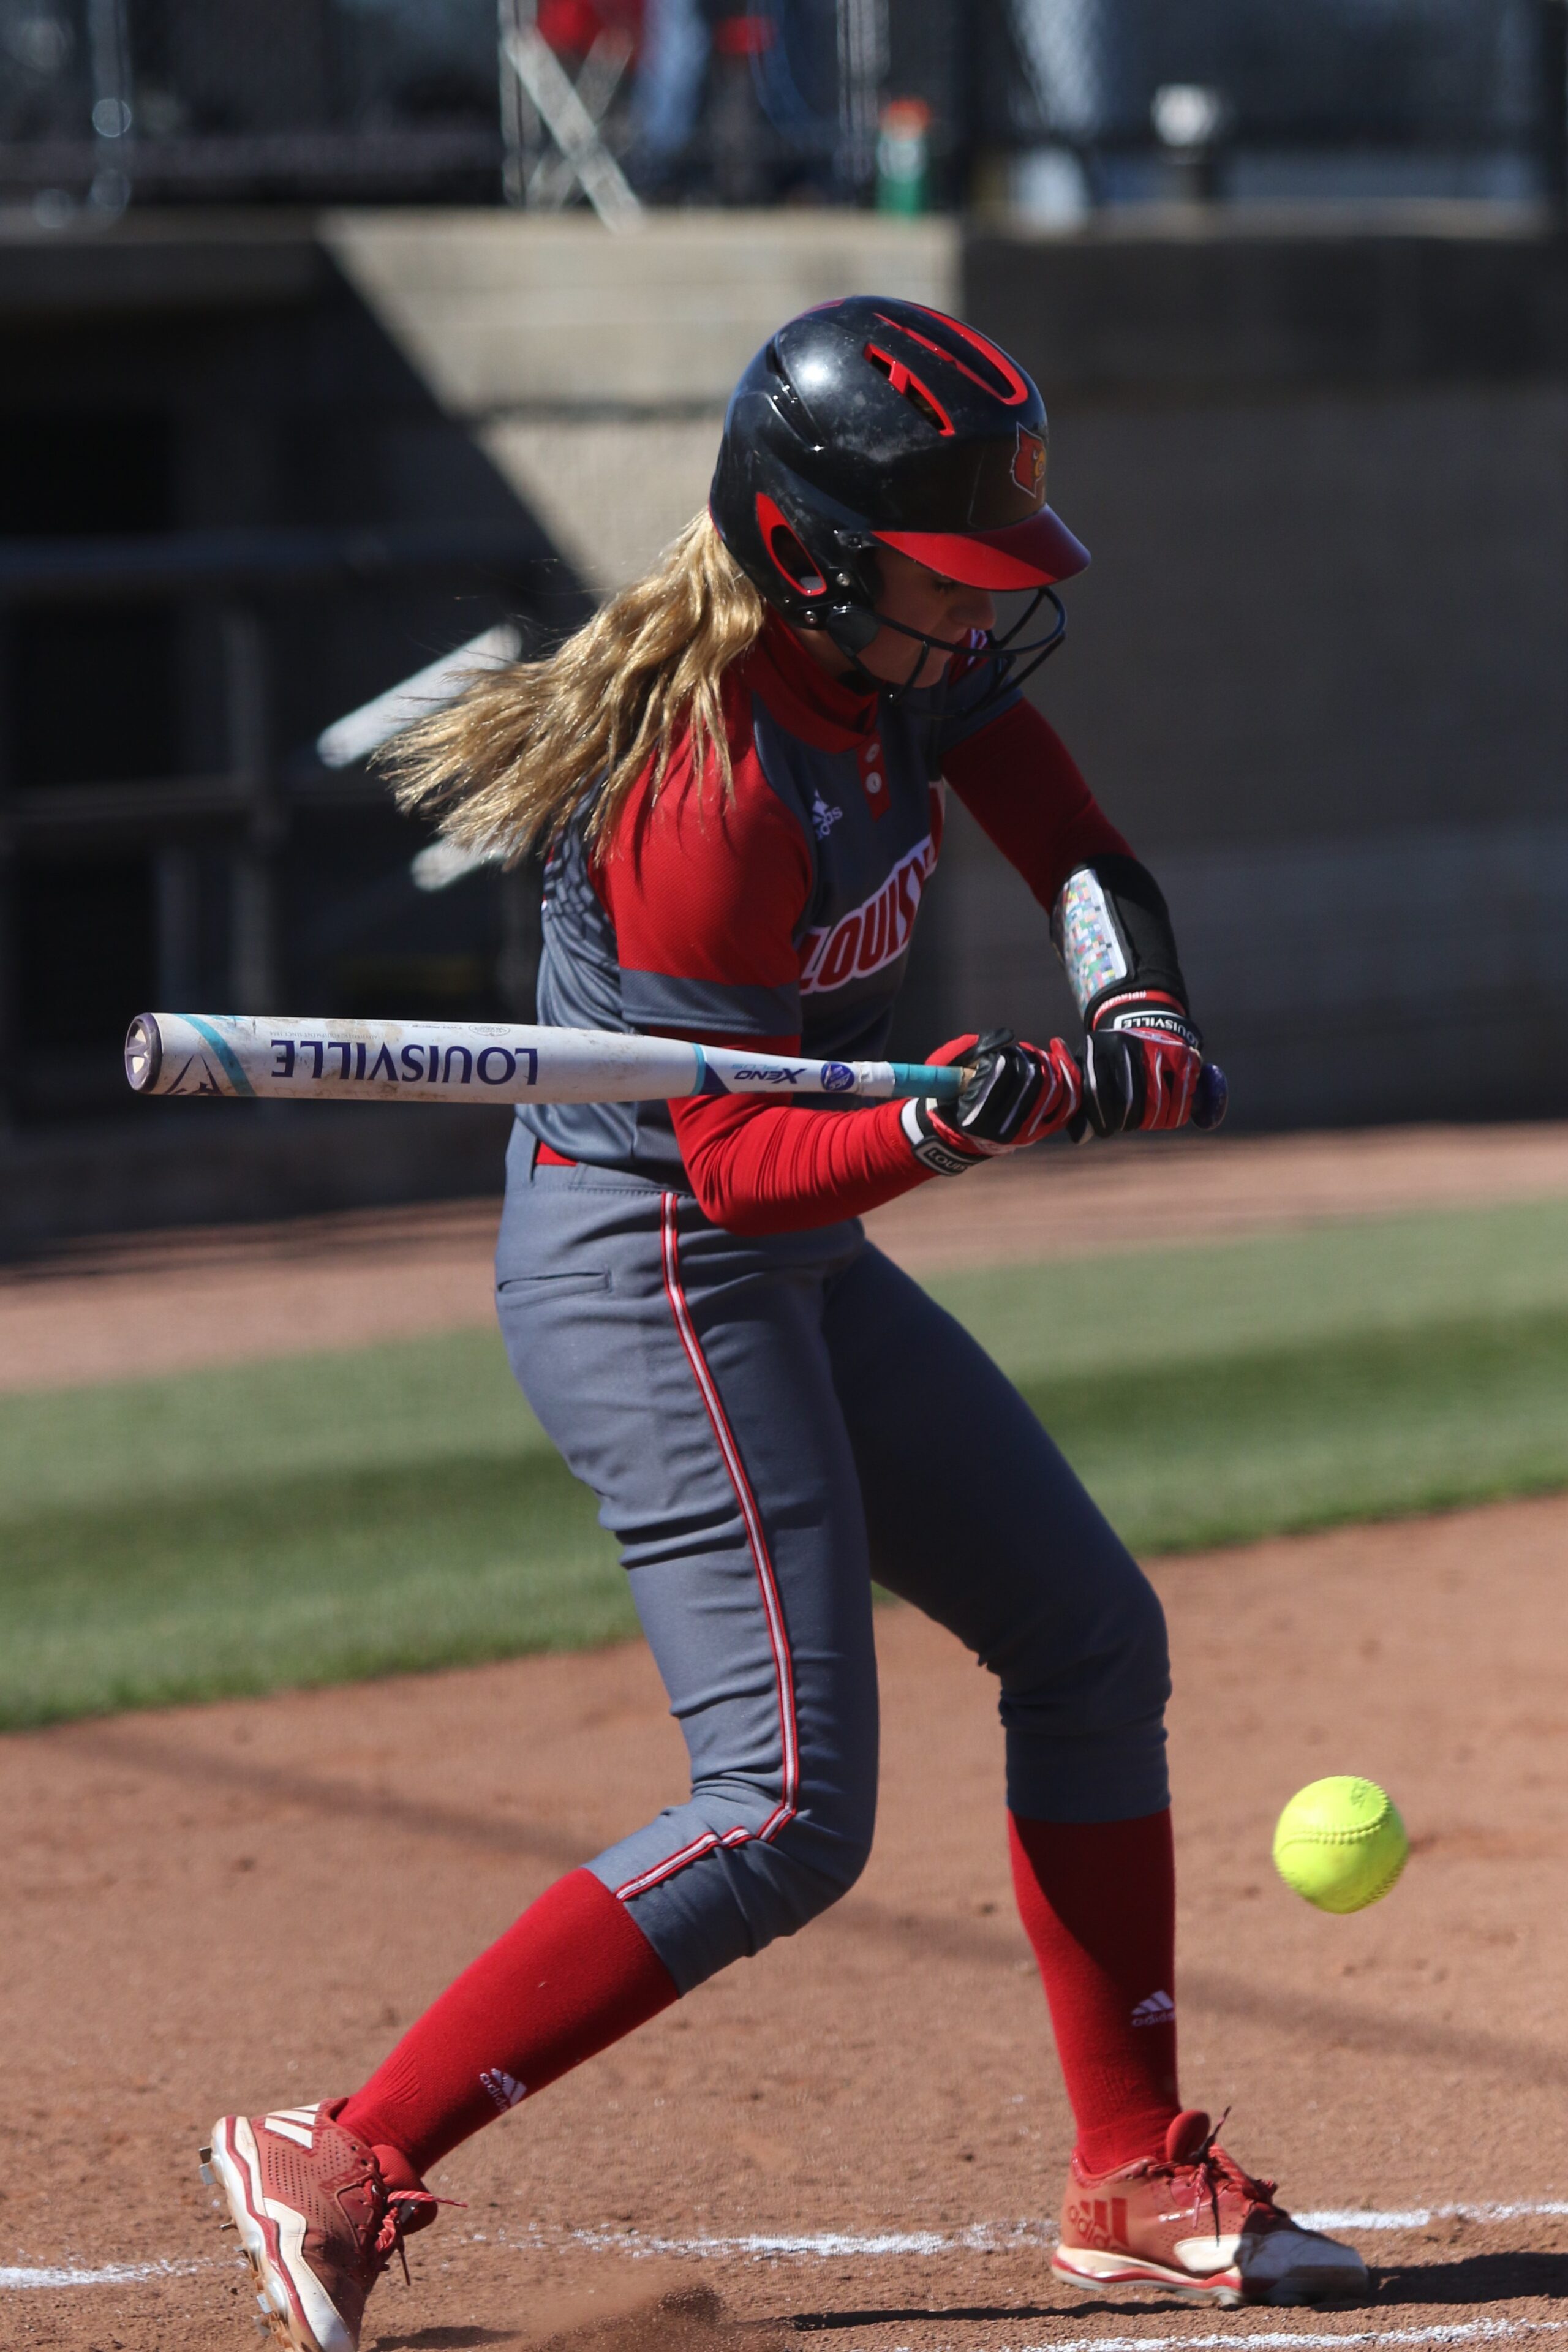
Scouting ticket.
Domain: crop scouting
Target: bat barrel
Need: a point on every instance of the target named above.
(291, 1058)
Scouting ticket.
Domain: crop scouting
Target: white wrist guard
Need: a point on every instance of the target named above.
(1086, 936)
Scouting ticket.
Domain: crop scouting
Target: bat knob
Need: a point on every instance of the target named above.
(143, 1053)
(1211, 1097)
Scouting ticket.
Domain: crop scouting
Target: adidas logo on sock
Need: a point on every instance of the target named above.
(504, 2089)
(1158, 2010)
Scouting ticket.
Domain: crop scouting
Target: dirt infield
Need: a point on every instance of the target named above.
(143, 1303)
(860, 2134)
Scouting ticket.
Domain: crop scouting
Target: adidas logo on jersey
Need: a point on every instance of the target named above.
(1158, 2010)
(504, 2089)
(823, 818)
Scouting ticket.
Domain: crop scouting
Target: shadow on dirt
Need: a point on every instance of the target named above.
(1097, 2306)
(444, 2339)
(812, 2322)
(1471, 2279)
(1475, 2278)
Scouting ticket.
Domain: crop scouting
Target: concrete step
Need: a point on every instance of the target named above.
(503, 311)
(594, 368)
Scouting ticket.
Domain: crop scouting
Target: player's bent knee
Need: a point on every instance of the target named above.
(797, 1886)
(738, 1899)
(809, 1864)
(1124, 1678)
(1110, 1664)
(1084, 1710)
(1146, 1661)
(828, 1840)
(837, 1861)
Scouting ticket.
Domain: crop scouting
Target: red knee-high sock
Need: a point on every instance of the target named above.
(571, 1976)
(1097, 1902)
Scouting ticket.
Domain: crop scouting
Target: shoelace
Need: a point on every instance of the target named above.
(398, 2220)
(1214, 2170)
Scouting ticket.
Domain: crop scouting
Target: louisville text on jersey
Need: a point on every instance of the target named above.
(873, 934)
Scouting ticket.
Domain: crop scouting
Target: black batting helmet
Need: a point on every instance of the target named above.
(871, 422)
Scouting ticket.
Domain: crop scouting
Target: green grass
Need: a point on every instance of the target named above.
(317, 1518)
(1270, 1441)
(1268, 1292)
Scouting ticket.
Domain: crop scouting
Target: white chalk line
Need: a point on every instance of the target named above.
(55, 2274)
(824, 2245)
(997, 2237)
(1418, 2217)
(839, 2245)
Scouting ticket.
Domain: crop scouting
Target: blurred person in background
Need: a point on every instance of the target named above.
(672, 66)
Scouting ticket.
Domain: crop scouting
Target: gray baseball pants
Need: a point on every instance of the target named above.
(768, 1425)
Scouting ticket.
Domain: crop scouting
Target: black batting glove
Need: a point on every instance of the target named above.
(1141, 1063)
(1018, 1094)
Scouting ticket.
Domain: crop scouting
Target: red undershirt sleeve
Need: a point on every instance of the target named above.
(1021, 784)
(761, 1167)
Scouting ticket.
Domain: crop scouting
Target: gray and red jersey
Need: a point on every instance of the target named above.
(783, 912)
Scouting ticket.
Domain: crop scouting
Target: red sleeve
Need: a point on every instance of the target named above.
(761, 1167)
(1021, 784)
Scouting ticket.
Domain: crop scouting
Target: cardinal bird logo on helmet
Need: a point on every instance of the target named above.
(1029, 464)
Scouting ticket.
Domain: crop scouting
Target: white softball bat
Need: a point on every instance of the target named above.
(288, 1059)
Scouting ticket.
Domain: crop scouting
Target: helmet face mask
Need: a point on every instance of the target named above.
(1015, 661)
(868, 422)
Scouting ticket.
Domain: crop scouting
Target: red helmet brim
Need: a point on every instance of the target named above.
(1033, 555)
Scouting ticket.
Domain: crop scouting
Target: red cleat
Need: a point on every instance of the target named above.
(1191, 2223)
(320, 2216)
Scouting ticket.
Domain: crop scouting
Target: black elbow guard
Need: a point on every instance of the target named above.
(1111, 929)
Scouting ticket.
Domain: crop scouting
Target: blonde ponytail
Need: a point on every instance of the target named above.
(529, 748)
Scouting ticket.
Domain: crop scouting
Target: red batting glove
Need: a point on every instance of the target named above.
(1018, 1094)
(1141, 1061)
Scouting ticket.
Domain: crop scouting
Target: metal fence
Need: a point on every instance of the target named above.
(111, 101)
(744, 100)
(1334, 72)
(1474, 85)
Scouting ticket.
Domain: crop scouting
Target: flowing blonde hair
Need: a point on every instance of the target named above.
(527, 749)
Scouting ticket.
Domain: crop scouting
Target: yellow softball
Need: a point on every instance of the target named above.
(1341, 1843)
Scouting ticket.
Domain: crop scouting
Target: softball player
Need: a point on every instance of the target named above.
(739, 768)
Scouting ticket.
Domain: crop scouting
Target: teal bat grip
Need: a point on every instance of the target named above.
(944, 1083)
